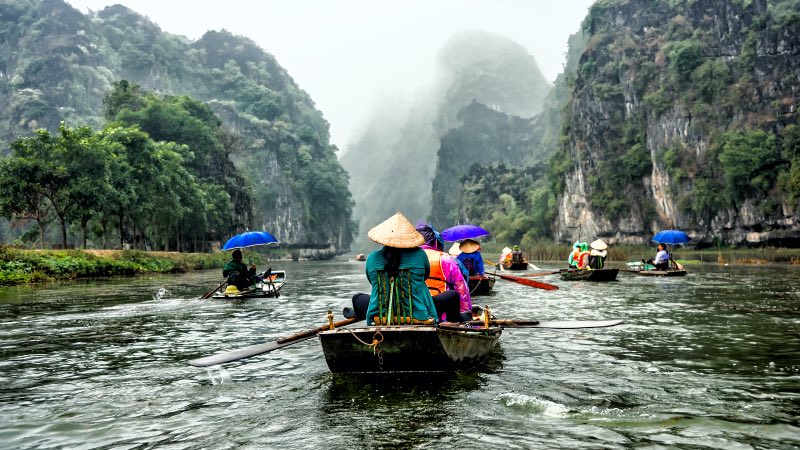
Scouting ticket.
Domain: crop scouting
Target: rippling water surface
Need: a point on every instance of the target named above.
(711, 360)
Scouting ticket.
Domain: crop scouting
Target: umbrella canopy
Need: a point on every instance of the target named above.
(460, 232)
(249, 239)
(671, 237)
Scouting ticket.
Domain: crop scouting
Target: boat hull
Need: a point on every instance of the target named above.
(481, 285)
(516, 266)
(261, 290)
(662, 273)
(413, 348)
(589, 274)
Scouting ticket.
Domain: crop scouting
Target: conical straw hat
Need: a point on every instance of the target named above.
(599, 245)
(454, 250)
(469, 246)
(397, 232)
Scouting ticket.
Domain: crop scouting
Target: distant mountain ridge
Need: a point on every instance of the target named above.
(56, 64)
(394, 165)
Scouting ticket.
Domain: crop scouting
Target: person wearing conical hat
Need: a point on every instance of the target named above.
(397, 273)
(597, 256)
(446, 282)
(471, 257)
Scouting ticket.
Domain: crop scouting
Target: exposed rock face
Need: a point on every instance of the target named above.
(393, 166)
(56, 64)
(659, 82)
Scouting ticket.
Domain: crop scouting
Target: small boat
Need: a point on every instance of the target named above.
(262, 288)
(361, 257)
(408, 348)
(589, 274)
(516, 266)
(479, 285)
(649, 270)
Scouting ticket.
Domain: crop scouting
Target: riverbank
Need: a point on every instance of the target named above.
(22, 266)
(549, 251)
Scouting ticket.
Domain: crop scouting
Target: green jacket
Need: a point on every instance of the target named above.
(238, 266)
(415, 261)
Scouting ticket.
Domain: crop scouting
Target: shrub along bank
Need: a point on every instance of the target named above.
(20, 266)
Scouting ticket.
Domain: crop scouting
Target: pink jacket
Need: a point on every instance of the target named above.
(454, 278)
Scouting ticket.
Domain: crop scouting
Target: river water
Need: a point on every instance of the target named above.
(711, 360)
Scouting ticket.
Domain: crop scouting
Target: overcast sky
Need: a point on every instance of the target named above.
(343, 52)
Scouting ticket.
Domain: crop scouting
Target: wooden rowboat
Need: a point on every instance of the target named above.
(408, 348)
(662, 273)
(262, 288)
(648, 270)
(589, 274)
(479, 285)
(516, 266)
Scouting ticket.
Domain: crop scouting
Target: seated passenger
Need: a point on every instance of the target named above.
(446, 283)
(397, 273)
(471, 257)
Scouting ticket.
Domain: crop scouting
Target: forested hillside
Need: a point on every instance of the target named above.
(57, 64)
(675, 114)
(683, 114)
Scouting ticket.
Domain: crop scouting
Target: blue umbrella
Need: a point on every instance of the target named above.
(671, 237)
(249, 239)
(460, 232)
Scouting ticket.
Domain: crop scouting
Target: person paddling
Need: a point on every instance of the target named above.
(238, 273)
(661, 261)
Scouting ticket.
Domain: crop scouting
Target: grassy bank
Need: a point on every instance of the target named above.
(20, 266)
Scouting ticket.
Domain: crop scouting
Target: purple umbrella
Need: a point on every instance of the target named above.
(460, 232)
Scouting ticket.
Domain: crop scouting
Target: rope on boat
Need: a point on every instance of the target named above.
(377, 338)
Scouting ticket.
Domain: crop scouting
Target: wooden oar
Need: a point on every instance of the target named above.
(255, 350)
(556, 324)
(211, 292)
(527, 282)
(542, 274)
(550, 324)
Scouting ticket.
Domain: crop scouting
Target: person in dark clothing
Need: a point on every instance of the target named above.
(237, 272)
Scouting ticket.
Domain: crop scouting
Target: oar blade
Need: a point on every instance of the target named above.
(571, 324)
(528, 282)
(242, 353)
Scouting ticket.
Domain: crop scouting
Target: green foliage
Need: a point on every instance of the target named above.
(59, 65)
(684, 56)
(19, 266)
(748, 160)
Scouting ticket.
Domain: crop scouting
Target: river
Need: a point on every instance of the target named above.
(711, 360)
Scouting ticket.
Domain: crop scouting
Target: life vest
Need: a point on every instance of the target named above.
(574, 257)
(435, 281)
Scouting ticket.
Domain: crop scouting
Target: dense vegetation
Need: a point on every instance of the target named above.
(218, 99)
(688, 103)
(123, 185)
(18, 266)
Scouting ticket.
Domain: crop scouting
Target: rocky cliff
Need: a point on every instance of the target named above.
(56, 64)
(682, 116)
(393, 166)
